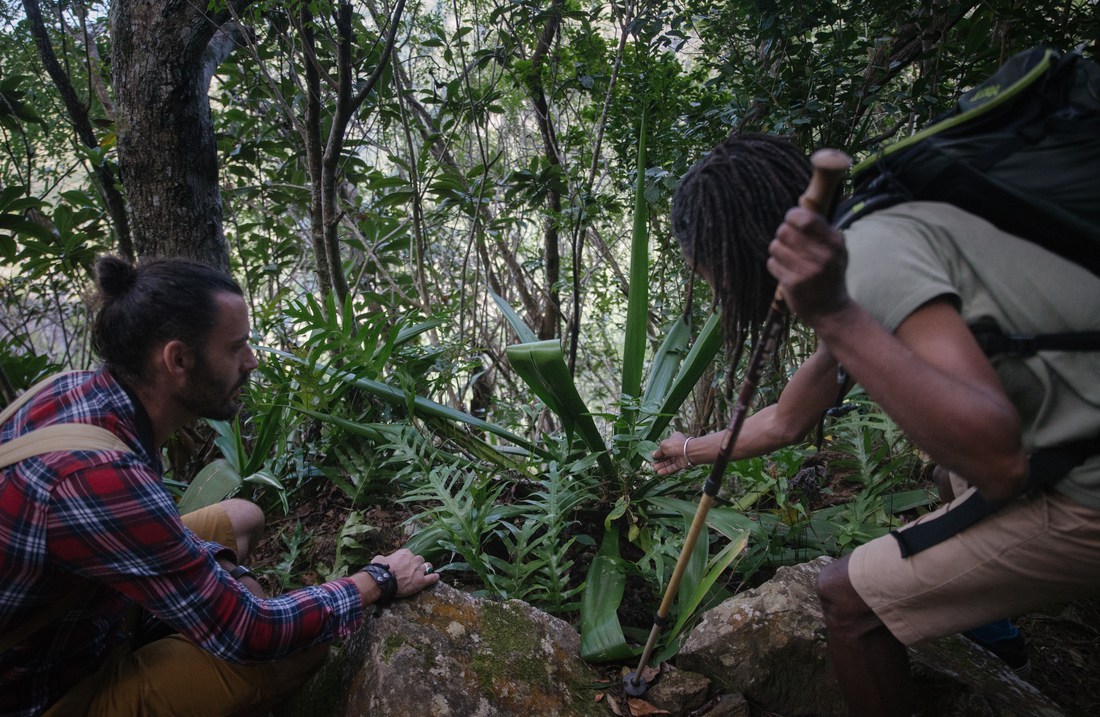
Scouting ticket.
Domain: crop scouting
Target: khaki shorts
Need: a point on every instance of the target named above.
(1039, 550)
(173, 676)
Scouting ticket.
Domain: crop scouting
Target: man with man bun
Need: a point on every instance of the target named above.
(87, 536)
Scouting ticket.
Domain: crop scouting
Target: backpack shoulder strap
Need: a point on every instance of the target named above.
(995, 342)
(59, 437)
(30, 393)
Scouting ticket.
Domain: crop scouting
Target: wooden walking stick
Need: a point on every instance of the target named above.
(829, 167)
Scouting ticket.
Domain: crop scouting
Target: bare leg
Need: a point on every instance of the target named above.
(871, 666)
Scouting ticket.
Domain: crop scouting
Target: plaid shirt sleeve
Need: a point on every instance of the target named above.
(115, 524)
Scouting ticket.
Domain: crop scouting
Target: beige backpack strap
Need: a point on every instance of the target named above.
(59, 437)
(30, 393)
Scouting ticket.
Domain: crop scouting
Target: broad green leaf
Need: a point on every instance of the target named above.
(702, 352)
(698, 589)
(542, 366)
(602, 638)
(228, 441)
(270, 430)
(907, 500)
(213, 483)
(728, 522)
(666, 362)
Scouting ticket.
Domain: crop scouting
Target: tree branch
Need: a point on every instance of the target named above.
(78, 115)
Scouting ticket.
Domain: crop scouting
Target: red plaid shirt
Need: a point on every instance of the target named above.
(73, 519)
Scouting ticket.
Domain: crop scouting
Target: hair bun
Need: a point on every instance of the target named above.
(114, 275)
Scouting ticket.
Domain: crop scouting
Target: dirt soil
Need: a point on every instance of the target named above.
(1063, 641)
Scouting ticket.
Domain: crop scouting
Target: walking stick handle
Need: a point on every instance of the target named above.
(829, 168)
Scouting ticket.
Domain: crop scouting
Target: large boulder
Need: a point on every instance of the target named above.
(445, 652)
(769, 644)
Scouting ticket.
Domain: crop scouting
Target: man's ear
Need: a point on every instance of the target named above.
(177, 359)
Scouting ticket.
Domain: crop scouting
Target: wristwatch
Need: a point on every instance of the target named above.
(240, 571)
(387, 582)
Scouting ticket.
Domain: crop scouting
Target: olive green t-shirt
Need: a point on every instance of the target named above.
(902, 257)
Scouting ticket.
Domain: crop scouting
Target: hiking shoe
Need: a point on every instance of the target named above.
(1012, 650)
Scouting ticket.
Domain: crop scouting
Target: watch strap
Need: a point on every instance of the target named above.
(387, 582)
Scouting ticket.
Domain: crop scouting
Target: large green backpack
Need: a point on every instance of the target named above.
(1022, 150)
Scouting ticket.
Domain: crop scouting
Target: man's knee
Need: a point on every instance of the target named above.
(248, 523)
(840, 602)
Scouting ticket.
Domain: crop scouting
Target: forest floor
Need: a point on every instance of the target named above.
(1063, 641)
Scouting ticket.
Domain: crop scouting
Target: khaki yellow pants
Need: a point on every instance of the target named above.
(1036, 551)
(174, 677)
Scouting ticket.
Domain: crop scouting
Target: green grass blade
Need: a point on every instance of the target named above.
(730, 523)
(666, 363)
(699, 589)
(227, 441)
(700, 356)
(271, 429)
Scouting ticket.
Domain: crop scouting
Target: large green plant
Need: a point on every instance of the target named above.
(632, 505)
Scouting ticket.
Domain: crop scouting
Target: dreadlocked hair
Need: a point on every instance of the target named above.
(725, 213)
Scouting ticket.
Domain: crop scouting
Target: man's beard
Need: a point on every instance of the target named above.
(208, 397)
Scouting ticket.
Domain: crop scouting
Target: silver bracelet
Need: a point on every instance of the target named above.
(686, 459)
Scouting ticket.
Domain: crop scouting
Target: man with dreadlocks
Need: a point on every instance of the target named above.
(891, 300)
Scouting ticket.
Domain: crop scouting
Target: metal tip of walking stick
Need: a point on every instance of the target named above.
(634, 684)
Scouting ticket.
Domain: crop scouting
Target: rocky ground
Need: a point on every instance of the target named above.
(1064, 641)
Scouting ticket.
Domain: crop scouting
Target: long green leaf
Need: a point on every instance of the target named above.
(730, 523)
(665, 365)
(637, 313)
(408, 333)
(542, 366)
(421, 406)
(228, 442)
(602, 638)
(270, 432)
(699, 589)
(699, 592)
(523, 331)
(700, 356)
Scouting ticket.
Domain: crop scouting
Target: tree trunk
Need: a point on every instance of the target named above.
(550, 320)
(162, 63)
